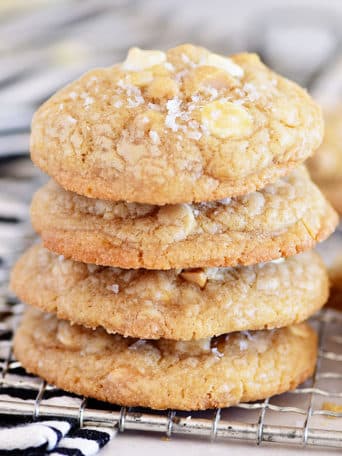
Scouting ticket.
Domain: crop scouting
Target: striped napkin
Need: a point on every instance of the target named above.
(53, 437)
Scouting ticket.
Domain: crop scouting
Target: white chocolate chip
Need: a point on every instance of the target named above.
(225, 119)
(154, 137)
(138, 59)
(67, 335)
(255, 202)
(141, 79)
(223, 63)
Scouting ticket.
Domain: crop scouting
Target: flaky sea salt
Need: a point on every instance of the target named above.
(135, 101)
(225, 201)
(243, 344)
(251, 91)
(194, 124)
(153, 107)
(195, 135)
(88, 101)
(134, 97)
(173, 111)
(154, 137)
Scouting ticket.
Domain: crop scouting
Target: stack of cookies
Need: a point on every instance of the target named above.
(176, 270)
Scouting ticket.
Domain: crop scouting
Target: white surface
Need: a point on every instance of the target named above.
(137, 445)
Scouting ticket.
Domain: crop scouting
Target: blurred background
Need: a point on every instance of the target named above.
(46, 43)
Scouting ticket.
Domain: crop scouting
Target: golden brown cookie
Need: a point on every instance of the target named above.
(326, 165)
(182, 126)
(175, 304)
(162, 374)
(283, 219)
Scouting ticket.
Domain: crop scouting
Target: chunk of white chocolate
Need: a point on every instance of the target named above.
(224, 119)
(224, 63)
(139, 59)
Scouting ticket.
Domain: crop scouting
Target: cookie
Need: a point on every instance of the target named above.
(174, 304)
(217, 372)
(182, 126)
(283, 219)
(326, 165)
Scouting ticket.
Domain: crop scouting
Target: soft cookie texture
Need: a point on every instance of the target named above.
(182, 126)
(326, 165)
(283, 219)
(217, 372)
(175, 304)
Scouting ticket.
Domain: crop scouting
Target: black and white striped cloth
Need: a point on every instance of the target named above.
(51, 437)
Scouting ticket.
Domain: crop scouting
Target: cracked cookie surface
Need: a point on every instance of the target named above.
(283, 219)
(217, 372)
(182, 126)
(175, 304)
